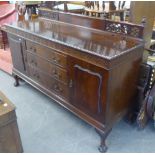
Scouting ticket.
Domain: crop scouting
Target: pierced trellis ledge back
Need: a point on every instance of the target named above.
(125, 28)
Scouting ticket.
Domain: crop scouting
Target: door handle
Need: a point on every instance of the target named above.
(70, 83)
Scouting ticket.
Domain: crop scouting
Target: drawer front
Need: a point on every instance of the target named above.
(59, 88)
(48, 82)
(53, 70)
(49, 54)
(37, 76)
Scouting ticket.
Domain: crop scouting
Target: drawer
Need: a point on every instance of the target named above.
(59, 88)
(44, 65)
(36, 75)
(48, 82)
(47, 53)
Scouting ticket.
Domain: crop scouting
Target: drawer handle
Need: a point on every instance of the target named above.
(71, 83)
(57, 88)
(55, 74)
(54, 71)
(36, 75)
(33, 62)
(33, 49)
(56, 60)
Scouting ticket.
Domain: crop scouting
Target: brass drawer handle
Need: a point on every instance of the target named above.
(34, 62)
(71, 83)
(56, 60)
(33, 49)
(36, 75)
(54, 71)
(57, 88)
(56, 74)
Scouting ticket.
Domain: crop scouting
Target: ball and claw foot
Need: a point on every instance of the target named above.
(102, 148)
(16, 84)
(16, 80)
(103, 135)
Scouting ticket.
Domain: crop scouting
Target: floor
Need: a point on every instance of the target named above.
(5, 60)
(47, 127)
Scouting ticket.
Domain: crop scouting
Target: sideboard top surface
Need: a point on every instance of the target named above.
(6, 106)
(104, 44)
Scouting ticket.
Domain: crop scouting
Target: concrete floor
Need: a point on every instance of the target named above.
(47, 127)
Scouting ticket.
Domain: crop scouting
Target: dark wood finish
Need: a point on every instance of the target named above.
(88, 85)
(96, 71)
(16, 80)
(10, 141)
(17, 52)
(125, 28)
(48, 81)
(49, 68)
(51, 55)
(103, 148)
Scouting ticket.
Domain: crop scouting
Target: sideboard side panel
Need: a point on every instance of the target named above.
(122, 88)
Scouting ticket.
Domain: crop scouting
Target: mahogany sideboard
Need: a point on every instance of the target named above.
(91, 72)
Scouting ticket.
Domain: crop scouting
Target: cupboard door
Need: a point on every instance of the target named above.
(17, 51)
(87, 87)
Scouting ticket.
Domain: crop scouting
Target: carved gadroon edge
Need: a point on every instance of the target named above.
(59, 46)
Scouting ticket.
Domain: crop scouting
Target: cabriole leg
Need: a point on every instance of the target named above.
(103, 148)
(16, 80)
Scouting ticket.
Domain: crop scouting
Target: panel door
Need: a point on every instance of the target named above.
(17, 51)
(88, 85)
